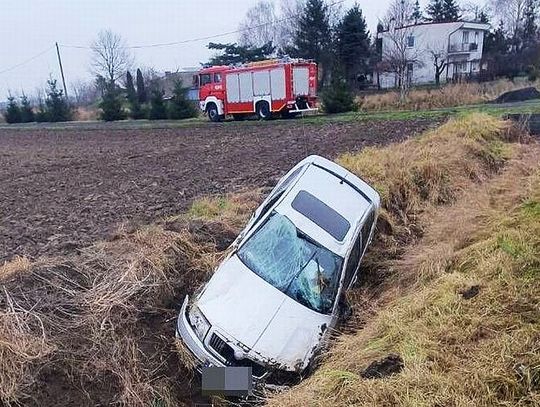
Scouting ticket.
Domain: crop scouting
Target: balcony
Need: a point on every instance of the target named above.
(462, 48)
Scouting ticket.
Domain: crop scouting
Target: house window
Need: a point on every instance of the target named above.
(410, 41)
(465, 37)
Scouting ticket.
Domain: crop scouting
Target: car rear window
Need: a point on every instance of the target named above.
(321, 214)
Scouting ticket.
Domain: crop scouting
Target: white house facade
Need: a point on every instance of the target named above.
(457, 47)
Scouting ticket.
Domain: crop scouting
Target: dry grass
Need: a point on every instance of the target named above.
(431, 170)
(446, 96)
(482, 351)
(86, 113)
(233, 209)
(101, 323)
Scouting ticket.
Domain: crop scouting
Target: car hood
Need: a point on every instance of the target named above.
(246, 309)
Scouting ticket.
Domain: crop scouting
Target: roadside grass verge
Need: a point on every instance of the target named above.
(460, 303)
(450, 95)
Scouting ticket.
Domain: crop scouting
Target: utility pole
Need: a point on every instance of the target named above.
(61, 71)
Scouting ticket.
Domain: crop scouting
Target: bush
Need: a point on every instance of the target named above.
(179, 106)
(57, 108)
(27, 113)
(337, 98)
(158, 111)
(111, 104)
(13, 111)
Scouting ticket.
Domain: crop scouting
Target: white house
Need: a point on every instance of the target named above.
(456, 47)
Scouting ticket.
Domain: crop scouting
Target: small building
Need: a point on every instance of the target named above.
(186, 76)
(455, 47)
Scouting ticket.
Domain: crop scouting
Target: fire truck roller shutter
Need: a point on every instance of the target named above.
(277, 83)
(246, 87)
(233, 88)
(261, 83)
(301, 81)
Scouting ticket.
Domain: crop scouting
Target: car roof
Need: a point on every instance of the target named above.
(336, 188)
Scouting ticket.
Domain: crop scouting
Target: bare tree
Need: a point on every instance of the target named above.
(439, 58)
(511, 12)
(84, 93)
(399, 13)
(111, 58)
(289, 16)
(259, 25)
(400, 55)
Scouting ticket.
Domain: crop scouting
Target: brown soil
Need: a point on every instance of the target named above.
(62, 189)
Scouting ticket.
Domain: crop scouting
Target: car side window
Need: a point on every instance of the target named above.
(366, 229)
(353, 260)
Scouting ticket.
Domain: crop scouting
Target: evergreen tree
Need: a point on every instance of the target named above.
(27, 113)
(337, 98)
(233, 54)
(111, 104)
(451, 11)
(141, 89)
(417, 13)
(482, 17)
(443, 11)
(56, 105)
(13, 111)
(133, 100)
(353, 44)
(435, 11)
(158, 110)
(179, 106)
(313, 38)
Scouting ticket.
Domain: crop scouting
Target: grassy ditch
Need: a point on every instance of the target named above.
(459, 307)
(98, 327)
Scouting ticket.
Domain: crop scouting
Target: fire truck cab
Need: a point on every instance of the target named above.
(266, 88)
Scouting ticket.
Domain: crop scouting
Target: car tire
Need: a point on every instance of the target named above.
(213, 113)
(263, 111)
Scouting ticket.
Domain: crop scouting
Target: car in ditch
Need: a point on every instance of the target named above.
(273, 301)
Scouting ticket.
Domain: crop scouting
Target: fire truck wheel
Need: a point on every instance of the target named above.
(263, 111)
(213, 113)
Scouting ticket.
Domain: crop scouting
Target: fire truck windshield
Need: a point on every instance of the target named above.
(206, 79)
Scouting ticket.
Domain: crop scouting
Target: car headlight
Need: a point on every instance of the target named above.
(198, 322)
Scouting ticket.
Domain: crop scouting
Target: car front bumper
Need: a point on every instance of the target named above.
(192, 342)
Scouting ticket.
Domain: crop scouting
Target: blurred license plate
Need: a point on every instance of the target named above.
(227, 381)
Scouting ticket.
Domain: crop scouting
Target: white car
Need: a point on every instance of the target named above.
(272, 302)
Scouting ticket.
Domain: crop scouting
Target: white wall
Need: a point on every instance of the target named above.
(435, 37)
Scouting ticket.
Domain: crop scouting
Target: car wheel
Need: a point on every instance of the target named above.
(213, 113)
(263, 111)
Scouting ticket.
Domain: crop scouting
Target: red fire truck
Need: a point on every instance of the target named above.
(285, 86)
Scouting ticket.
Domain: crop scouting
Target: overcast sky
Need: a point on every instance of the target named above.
(28, 27)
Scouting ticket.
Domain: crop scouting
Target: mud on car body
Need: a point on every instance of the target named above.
(272, 302)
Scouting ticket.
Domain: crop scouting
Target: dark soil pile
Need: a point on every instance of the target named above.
(519, 95)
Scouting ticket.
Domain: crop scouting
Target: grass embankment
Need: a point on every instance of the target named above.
(98, 327)
(446, 96)
(459, 303)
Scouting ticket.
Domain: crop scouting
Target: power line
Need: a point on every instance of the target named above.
(209, 37)
(26, 61)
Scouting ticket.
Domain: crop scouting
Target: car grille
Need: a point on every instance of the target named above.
(227, 353)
